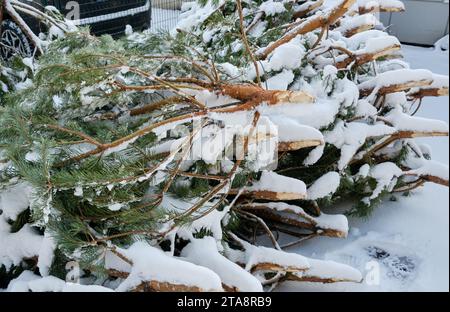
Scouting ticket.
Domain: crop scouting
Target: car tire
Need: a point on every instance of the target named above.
(13, 41)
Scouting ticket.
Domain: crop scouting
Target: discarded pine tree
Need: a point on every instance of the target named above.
(155, 162)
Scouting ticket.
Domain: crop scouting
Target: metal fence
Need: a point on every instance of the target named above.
(166, 13)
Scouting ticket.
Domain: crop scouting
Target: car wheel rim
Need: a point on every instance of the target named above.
(11, 44)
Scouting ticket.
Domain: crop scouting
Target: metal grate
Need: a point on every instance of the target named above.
(166, 14)
(104, 16)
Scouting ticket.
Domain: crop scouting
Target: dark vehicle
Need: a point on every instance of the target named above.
(103, 17)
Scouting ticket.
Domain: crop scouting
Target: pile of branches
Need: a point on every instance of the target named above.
(155, 162)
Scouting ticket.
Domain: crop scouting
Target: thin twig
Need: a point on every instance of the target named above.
(246, 43)
(263, 224)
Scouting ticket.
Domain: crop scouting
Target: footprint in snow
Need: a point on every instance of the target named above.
(398, 266)
(397, 262)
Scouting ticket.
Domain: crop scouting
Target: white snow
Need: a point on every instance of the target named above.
(230, 69)
(304, 267)
(257, 255)
(26, 243)
(14, 247)
(273, 182)
(115, 207)
(333, 271)
(386, 175)
(442, 43)
(324, 221)
(287, 56)
(439, 81)
(314, 156)
(15, 200)
(212, 143)
(46, 254)
(405, 122)
(374, 45)
(332, 222)
(351, 23)
(151, 264)
(394, 77)
(280, 81)
(197, 14)
(290, 130)
(356, 41)
(211, 222)
(29, 282)
(378, 4)
(349, 137)
(271, 7)
(204, 252)
(325, 186)
(432, 168)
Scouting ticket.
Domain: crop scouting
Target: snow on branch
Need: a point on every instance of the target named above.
(439, 87)
(159, 159)
(374, 6)
(352, 25)
(396, 81)
(326, 272)
(151, 269)
(319, 20)
(323, 225)
(204, 252)
(272, 186)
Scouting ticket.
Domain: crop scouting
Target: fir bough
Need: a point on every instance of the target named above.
(198, 141)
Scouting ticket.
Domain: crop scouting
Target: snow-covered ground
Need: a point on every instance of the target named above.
(404, 246)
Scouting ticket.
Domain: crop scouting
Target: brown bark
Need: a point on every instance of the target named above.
(421, 93)
(397, 87)
(309, 25)
(298, 145)
(358, 29)
(273, 267)
(230, 289)
(257, 95)
(164, 287)
(379, 9)
(399, 136)
(157, 105)
(313, 279)
(291, 218)
(313, 5)
(271, 196)
(155, 286)
(367, 58)
(435, 179)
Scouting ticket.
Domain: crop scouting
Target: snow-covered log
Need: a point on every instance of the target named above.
(275, 187)
(234, 278)
(396, 81)
(439, 87)
(326, 272)
(353, 25)
(323, 225)
(149, 269)
(306, 8)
